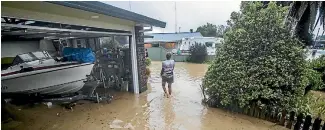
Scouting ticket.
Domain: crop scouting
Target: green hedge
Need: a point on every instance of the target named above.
(259, 61)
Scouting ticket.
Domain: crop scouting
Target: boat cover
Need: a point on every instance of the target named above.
(83, 55)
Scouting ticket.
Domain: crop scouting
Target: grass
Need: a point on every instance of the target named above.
(317, 106)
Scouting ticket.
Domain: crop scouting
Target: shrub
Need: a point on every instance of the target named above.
(148, 72)
(148, 61)
(259, 61)
(198, 53)
(315, 73)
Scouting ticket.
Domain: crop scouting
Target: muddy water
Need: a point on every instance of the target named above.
(149, 110)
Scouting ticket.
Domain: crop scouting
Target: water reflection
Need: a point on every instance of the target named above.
(169, 114)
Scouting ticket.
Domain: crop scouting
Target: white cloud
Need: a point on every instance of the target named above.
(190, 15)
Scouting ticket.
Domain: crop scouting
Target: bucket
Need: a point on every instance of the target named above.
(125, 86)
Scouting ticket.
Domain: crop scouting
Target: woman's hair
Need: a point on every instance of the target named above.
(168, 56)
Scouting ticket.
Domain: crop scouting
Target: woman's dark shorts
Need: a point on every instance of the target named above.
(168, 80)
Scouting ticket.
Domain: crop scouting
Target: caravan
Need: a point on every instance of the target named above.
(210, 42)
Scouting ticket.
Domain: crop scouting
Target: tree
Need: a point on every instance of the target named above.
(208, 30)
(315, 74)
(259, 62)
(198, 53)
(211, 30)
(221, 29)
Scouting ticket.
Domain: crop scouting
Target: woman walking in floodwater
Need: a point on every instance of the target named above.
(167, 74)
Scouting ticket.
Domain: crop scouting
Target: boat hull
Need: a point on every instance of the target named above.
(53, 81)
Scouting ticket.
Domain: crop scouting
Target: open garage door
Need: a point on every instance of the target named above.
(24, 28)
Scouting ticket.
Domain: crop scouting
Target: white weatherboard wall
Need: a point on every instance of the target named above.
(12, 48)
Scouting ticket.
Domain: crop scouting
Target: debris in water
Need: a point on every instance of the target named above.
(116, 124)
(129, 126)
(8, 100)
(48, 104)
(145, 105)
(69, 106)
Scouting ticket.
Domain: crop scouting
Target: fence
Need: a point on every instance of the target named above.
(290, 120)
(159, 54)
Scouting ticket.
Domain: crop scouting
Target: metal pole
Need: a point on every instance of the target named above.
(134, 64)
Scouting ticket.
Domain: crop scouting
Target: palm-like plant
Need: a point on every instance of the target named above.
(303, 18)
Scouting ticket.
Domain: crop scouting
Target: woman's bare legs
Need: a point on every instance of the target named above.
(164, 88)
(170, 89)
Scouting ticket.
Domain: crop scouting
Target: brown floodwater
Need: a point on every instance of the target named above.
(149, 110)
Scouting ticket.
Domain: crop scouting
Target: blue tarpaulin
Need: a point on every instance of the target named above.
(83, 55)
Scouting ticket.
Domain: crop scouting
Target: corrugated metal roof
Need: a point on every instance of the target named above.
(170, 37)
(106, 9)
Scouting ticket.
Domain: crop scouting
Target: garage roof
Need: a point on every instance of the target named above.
(106, 9)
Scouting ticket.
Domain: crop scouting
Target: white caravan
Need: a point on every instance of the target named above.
(210, 42)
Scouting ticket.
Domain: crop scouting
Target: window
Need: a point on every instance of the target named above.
(64, 43)
(79, 44)
(27, 57)
(155, 45)
(92, 44)
(40, 55)
(208, 44)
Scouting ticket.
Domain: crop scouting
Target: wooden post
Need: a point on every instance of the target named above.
(262, 115)
(257, 111)
(299, 122)
(291, 119)
(283, 117)
(307, 123)
(316, 125)
(246, 110)
(273, 115)
(251, 112)
(268, 114)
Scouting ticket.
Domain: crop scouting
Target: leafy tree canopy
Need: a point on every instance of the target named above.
(198, 53)
(211, 30)
(259, 61)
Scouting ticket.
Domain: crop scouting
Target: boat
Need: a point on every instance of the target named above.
(39, 74)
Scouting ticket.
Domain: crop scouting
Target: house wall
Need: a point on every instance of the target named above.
(155, 53)
(170, 45)
(46, 45)
(12, 48)
(159, 54)
(37, 10)
(147, 45)
(183, 58)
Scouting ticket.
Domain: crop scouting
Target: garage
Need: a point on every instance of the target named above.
(50, 28)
